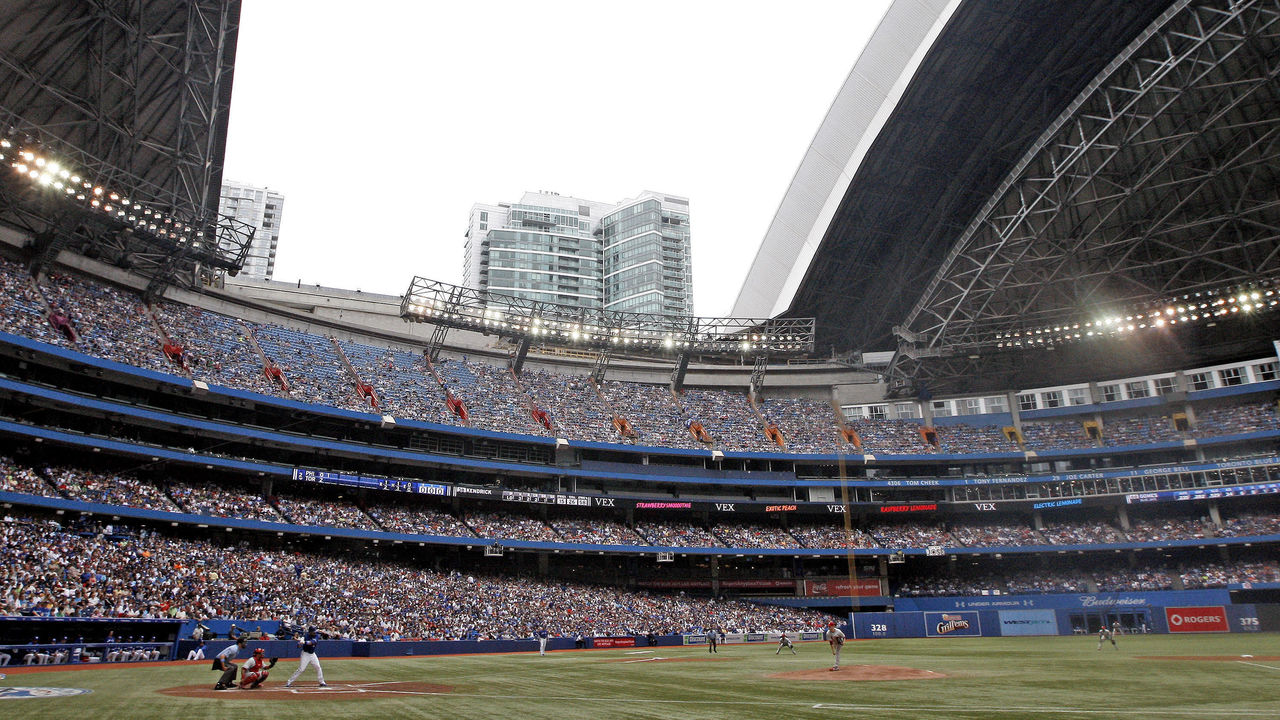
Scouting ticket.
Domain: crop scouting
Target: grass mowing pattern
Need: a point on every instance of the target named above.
(1005, 678)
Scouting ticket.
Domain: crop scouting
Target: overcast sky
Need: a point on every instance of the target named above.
(383, 121)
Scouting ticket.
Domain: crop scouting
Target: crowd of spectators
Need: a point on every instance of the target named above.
(109, 489)
(594, 531)
(1249, 524)
(891, 437)
(575, 407)
(830, 536)
(653, 413)
(402, 382)
(1118, 432)
(964, 438)
(113, 323)
(110, 323)
(416, 519)
(949, 585)
(1170, 528)
(323, 513)
(909, 535)
(206, 498)
(675, 534)
(509, 526)
(51, 570)
(1219, 575)
(1236, 419)
(745, 535)
(1081, 533)
(22, 308)
(1055, 435)
(808, 426)
(729, 419)
(22, 479)
(311, 366)
(215, 347)
(406, 515)
(1042, 581)
(493, 400)
(992, 535)
(1133, 579)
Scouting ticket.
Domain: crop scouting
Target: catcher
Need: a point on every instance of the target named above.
(223, 663)
(254, 670)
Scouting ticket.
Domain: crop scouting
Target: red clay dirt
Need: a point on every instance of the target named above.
(861, 673)
(667, 659)
(1210, 658)
(311, 691)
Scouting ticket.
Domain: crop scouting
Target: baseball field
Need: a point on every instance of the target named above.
(1147, 677)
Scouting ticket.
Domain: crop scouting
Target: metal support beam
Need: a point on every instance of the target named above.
(436, 342)
(677, 375)
(601, 366)
(757, 374)
(517, 359)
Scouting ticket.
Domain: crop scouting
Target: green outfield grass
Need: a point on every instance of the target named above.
(1050, 678)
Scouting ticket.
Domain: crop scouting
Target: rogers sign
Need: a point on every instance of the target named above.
(1196, 619)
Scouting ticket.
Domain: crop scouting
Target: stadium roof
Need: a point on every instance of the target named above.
(993, 167)
(134, 97)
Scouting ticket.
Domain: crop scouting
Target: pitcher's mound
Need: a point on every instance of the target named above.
(311, 691)
(861, 673)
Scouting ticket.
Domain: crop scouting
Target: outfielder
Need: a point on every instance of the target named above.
(835, 636)
(308, 657)
(1106, 634)
(542, 641)
(785, 642)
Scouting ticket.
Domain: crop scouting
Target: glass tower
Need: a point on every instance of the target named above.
(631, 256)
(647, 266)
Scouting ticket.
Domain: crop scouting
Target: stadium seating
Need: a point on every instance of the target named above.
(125, 574)
(113, 323)
(575, 407)
(808, 426)
(891, 437)
(1055, 435)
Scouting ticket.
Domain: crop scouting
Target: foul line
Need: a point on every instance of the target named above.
(1030, 710)
(1040, 710)
(1269, 667)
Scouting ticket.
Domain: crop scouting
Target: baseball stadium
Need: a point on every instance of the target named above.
(990, 432)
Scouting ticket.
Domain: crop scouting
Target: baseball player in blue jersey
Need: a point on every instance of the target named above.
(308, 657)
(542, 641)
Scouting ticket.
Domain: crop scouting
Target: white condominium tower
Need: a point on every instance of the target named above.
(631, 256)
(262, 208)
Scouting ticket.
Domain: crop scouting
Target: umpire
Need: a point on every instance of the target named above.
(229, 669)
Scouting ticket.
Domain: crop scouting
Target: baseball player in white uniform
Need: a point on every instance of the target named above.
(835, 636)
(1107, 634)
(785, 642)
(308, 657)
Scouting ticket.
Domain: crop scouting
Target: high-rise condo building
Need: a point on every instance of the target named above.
(262, 208)
(631, 256)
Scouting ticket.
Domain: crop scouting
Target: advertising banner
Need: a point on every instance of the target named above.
(1028, 622)
(612, 642)
(842, 587)
(1197, 619)
(952, 624)
(695, 639)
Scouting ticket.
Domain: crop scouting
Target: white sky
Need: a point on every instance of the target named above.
(383, 121)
